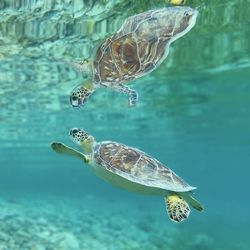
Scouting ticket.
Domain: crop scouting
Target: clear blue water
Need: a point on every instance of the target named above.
(193, 115)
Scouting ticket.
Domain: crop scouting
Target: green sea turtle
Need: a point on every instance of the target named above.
(132, 169)
(136, 49)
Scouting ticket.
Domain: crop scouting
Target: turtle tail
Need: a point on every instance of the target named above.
(177, 208)
(193, 202)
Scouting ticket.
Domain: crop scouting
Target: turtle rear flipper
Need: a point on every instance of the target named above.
(132, 94)
(61, 148)
(177, 208)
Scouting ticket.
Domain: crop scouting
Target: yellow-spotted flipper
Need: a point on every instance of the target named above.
(177, 208)
(177, 2)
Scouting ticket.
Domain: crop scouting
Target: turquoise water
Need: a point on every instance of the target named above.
(193, 115)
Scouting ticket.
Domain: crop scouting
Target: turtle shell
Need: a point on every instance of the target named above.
(138, 47)
(135, 166)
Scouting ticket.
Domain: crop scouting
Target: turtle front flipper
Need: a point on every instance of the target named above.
(61, 148)
(132, 94)
(177, 208)
(84, 67)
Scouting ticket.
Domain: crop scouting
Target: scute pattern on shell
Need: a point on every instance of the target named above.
(138, 167)
(136, 49)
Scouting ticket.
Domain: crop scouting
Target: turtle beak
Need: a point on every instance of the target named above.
(76, 102)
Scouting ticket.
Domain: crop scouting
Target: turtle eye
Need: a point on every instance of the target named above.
(74, 98)
(74, 131)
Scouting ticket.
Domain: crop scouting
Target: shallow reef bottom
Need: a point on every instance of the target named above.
(55, 223)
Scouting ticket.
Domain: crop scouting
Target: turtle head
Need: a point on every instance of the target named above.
(80, 94)
(180, 20)
(82, 138)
